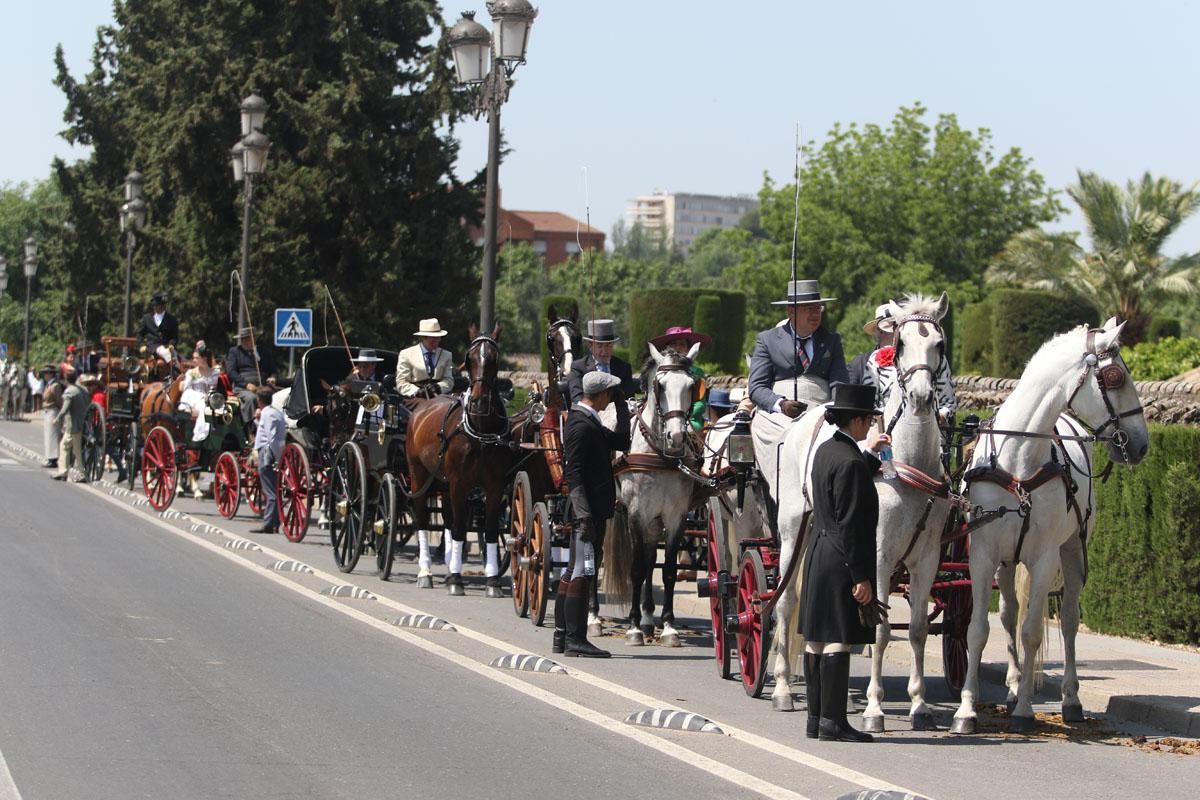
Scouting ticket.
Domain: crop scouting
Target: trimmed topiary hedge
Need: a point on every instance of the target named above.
(1144, 557)
(1023, 319)
(653, 311)
(1164, 328)
(975, 340)
(565, 305)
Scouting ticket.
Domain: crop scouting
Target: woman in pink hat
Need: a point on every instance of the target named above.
(680, 340)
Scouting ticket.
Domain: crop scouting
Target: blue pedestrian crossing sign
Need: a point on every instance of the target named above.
(3, 350)
(293, 327)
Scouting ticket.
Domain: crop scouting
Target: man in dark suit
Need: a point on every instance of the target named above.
(159, 330)
(587, 451)
(800, 347)
(249, 366)
(601, 338)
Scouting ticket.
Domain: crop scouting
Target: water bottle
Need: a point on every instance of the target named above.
(887, 469)
(589, 559)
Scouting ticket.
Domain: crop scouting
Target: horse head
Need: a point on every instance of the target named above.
(669, 397)
(562, 340)
(920, 346)
(1100, 392)
(482, 365)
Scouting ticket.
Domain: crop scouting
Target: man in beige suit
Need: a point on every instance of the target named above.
(425, 369)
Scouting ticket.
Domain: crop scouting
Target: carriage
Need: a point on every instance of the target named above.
(111, 429)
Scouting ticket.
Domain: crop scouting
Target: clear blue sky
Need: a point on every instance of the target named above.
(703, 96)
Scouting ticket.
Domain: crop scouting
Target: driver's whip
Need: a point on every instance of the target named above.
(792, 284)
(234, 276)
(338, 319)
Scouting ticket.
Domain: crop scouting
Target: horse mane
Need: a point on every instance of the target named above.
(921, 304)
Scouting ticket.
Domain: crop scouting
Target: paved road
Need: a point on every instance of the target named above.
(140, 657)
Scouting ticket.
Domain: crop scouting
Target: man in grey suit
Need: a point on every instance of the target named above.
(799, 348)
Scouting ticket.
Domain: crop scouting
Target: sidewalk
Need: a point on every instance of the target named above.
(1140, 682)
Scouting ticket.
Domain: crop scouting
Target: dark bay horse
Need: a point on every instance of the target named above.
(461, 443)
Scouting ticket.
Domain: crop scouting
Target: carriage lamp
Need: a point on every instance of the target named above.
(741, 443)
(485, 62)
(133, 219)
(537, 412)
(255, 146)
(216, 400)
(254, 114)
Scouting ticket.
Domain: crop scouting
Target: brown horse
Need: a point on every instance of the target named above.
(461, 443)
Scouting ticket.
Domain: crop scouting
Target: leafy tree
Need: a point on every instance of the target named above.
(1125, 272)
(520, 285)
(360, 193)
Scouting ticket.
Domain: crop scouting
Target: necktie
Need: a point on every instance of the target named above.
(802, 352)
(602, 367)
(429, 364)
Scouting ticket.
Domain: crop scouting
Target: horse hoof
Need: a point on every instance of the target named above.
(1072, 713)
(634, 637)
(921, 722)
(425, 582)
(670, 640)
(1020, 724)
(1010, 702)
(493, 591)
(454, 586)
(965, 726)
(783, 702)
(873, 724)
(595, 629)
(647, 631)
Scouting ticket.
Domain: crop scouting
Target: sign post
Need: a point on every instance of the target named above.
(293, 328)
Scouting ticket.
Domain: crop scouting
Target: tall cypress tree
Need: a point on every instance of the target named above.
(360, 191)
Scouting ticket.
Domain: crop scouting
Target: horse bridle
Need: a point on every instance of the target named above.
(1109, 377)
(902, 376)
(551, 332)
(661, 417)
(481, 406)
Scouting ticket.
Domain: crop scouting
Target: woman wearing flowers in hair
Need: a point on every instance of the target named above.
(880, 370)
(198, 381)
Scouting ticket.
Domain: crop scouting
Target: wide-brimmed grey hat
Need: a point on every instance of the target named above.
(601, 330)
(596, 382)
(245, 333)
(801, 292)
(882, 322)
(366, 355)
(853, 397)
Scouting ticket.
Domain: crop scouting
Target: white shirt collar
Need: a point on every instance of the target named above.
(589, 410)
(158, 318)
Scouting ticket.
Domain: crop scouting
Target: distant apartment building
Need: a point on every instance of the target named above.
(556, 236)
(681, 217)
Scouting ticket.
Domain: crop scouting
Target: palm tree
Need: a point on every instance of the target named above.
(1125, 272)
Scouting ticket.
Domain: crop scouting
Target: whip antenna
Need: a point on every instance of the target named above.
(792, 283)
(587, 215)
(338, 319)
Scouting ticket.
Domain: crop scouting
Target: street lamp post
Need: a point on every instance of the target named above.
(486, 62)
(133, 217)
(31, 266)
(249, 158)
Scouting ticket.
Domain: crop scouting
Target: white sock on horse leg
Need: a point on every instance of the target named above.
(424, 561)
(836, 647)
(492, 569)
(558, 555)
(455, 559)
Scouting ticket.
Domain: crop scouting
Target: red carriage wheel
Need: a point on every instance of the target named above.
(347, 505)
(540, 564)
(716, 594)
(956, 618)
(295, 492)
(753, 632)
(227, 485)
(160, 472)
(95, 442)
(520, 519)
(252, 486)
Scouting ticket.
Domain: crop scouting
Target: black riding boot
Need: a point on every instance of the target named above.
(560, 619)
(576, 611)
(812, 693)
(835, 693)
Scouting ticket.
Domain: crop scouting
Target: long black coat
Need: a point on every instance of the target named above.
(153, 335)
(617, 366)
(842, 553)
(587, 451)
(242, 369)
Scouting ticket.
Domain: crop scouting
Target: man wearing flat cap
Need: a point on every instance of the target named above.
(601, 337)
(249, 366)
(587, 453)
(159, 329)
(425, 369)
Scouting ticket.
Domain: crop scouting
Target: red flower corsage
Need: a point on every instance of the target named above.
(885, 356)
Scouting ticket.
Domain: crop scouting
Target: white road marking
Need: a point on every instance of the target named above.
(8, 788)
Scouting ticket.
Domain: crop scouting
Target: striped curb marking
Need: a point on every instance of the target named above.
(425, 621)
(170, 514)
(291, 566)
(345, 590)
(528, 663)
(673, 720)
(242, 544)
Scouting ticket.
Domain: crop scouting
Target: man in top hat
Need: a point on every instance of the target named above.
(799, 348)
(425, 369)
(601, 337)
(679, 340)
(249, 366)
(159, 329)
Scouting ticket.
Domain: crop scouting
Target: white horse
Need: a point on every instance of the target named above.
(911, 519)
(655, 498)
(1080, 372)
(13, 388)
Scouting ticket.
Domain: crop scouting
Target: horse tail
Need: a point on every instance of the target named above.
(1023, 585)
(618, 559)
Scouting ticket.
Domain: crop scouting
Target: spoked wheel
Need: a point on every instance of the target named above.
(716, 599)
(520, 517)
(95, 443)
(227, 485)
(294, 492)
(402, 522)
(956, 618)
(132, 453)
(160, 473)
(252, 486)
(383, 527)
(542, 565)
(347, 505)
(753, 632)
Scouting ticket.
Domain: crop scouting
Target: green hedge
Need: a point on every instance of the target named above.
(653, 311)
(975, 340)
(1164, 328)
(565, 305)
(1023, 319)
(1144, 557)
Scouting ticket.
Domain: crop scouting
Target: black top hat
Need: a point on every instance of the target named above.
(159, 299)
(366, 355)
(601, 330)
(802, 292)
(854, 397)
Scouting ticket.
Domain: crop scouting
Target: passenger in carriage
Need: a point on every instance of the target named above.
(602, 338)
(680, 340)
(249, 366)
(198, 382)
(159, 330)
(879, 368)
(425, 369)
(719, 406)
